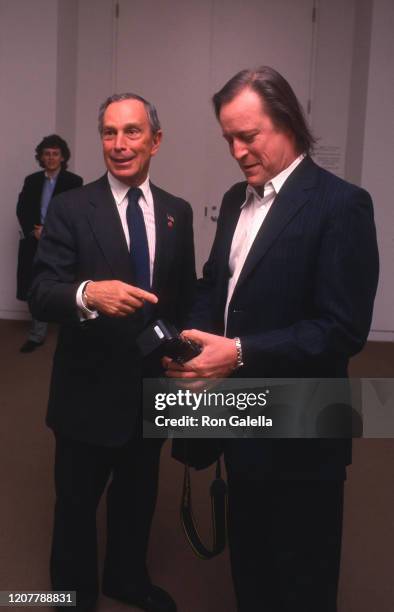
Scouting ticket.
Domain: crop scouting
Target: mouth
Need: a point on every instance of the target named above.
(121, 160)
(249, 167)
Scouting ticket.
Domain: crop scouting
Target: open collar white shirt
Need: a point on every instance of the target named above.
(253, 212)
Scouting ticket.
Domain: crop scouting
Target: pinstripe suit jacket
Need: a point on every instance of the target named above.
(303, 302)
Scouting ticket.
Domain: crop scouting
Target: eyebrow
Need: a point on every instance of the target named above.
(108, 126)
(240, 133)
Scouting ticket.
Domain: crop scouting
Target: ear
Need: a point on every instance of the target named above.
(157, 138)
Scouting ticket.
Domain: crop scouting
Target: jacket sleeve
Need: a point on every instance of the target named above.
(24, 210)
(54, 286)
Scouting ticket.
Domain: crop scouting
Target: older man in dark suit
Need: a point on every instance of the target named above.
(53, 154)
(113, 256)
(288, 291)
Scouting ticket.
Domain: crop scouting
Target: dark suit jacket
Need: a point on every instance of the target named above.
(28, 211)
(96, 379)
(302, 305)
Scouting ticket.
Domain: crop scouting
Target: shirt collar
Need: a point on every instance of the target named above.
(53, 177)
(119, 189)
(273, 185)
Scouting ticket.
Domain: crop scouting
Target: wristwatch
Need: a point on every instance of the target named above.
(238, 347)
(83, 296)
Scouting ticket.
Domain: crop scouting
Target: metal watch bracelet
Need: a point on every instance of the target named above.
(238, 347)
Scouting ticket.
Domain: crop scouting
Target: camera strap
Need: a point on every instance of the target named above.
(218, 493)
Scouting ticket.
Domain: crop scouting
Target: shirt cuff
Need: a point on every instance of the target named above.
(84, 312)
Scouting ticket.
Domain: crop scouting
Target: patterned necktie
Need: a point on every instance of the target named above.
(139, 251)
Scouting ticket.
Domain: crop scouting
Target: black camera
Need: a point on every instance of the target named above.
(162, 338)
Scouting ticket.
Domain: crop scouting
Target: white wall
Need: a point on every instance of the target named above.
(94, 81)
(28, 70)
(67, 58)
(179, 68)
(378, 158)
(358, 90)
(331, 82)
(60, 59)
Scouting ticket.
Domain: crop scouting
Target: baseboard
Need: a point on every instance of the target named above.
(380, 336)
(15, 315)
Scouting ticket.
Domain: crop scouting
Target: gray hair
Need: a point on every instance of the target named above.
(150, 110)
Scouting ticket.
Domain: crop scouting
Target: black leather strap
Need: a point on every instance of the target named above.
(218, 492)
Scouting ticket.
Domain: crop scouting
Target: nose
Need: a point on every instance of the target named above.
(238, 149)
(119, 141)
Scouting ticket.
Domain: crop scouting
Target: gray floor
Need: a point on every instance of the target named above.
(26, 463)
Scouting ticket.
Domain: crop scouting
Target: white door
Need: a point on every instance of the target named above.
(177, 53)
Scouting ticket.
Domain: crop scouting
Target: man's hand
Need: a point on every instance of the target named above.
(217, 359)
(115, 298)
(37, 231)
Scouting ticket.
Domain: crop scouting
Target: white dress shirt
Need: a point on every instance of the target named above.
(253, 212)
(119, 191)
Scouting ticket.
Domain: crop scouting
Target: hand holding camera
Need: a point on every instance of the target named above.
(163, 339)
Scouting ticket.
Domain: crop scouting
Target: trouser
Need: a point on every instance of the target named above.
(81, 474)
(285, 544)
(38, 331)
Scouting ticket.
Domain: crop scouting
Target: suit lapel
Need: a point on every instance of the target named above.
(37, 195)
(40, 183)
(59, 187)
(163, 243)
(230, 223)
(293, 195)
(231, 220)
(106, 226)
